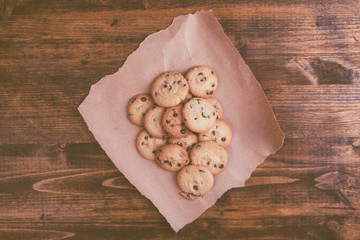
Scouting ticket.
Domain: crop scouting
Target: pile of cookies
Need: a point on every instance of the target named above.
(184, 130)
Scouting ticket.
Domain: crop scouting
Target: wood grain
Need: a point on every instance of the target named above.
(57, 183)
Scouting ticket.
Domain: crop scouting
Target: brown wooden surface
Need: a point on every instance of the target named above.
(57, 183)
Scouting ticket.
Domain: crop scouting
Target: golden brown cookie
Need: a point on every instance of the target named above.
(172, 122)
(172, 157)
(169, 89)
(137, 107)
(147, 144)
(220, 133)
(211, 155)
(202, 81)
(194, 181)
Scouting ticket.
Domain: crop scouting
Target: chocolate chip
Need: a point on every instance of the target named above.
(198, 146)
(143, 99)
(174, 82)
(213, 113)
(154, 151)
(166, 75)
(208, 163)
(175, 115)
(146, 137)
(213, 85)
(172, 125)
(215, 166)
(213, 132)
(202, 114)
(165, 86)
(179, 82)
(195, 187)
(167, 121)
(195, 118)
(200, 170)
(185, 119)
(156, 94)
(211, 92)
(200, 73)
(133, 100)
(191, 105)
(184, 85)
(180, 144)
(143, 143)
(188, 149)
(212, 72)
(183, 131)
(223, 139)
(179, 165)
(151, 136)
(221, 165)
(168, 162)
(170, 87)
(204, 135)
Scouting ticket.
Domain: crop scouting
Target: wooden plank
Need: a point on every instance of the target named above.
(287, 191)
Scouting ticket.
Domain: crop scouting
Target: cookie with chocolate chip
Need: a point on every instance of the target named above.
(186, 142)
(194, 181)
(172, 157)
(137, 107)
(202, 81)
(217, 106)
(198, 115)
(152, 122)
(172, 122)
(169, 89)
(211, 155)
(147, 144)
(220, 133)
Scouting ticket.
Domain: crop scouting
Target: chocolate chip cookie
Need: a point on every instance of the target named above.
(198, 115)
(202, 81)
(194, 181)
(172, 157)
(169, 89)
(220, 133)
(211, 155)
(137, 107)
(152, 122)
(147, 144)
(172, 122)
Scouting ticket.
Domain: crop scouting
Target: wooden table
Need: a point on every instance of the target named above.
(57, 183)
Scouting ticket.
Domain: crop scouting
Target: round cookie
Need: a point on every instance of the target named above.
(218, 108)
(169, 89)
(172, 157)
(198, 115)
(172, 122)
(194, 181)
(152, 122)
(137, 107)
(186, 142)
(220, 133)
(211, 155)
(147, 144)
(202, 81)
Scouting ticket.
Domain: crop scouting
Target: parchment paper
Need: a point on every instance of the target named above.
(194, 39)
